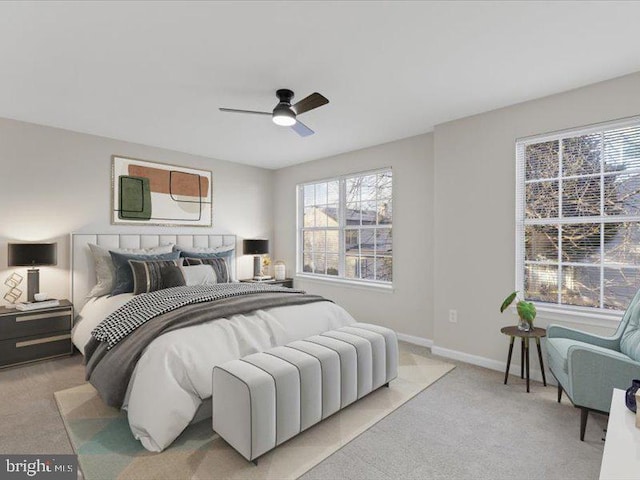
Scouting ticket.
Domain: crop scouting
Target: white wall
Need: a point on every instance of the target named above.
(54, 182)
(454, 208)
(475, 207)
(454, 220)
(408, 308)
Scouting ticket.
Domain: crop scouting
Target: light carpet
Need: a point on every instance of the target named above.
(101, 437)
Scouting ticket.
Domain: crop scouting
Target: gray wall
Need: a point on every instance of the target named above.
(409, 307)
(54, 182)
(475, 207)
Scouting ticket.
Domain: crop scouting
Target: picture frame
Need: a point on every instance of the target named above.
(145, 192)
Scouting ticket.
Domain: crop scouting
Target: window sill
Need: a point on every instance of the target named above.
(577, 315)
(341, 282)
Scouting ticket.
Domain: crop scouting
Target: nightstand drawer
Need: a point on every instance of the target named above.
(26, 349)
(24, 324)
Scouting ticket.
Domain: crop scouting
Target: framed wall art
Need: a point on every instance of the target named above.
(152, 193)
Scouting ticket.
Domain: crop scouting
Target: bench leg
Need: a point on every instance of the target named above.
(255, 462)
(386, 385)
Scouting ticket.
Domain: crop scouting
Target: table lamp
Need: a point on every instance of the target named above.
(32, 255)
(257, 248)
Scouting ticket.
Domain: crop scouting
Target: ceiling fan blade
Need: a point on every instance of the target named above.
(314, 100)
(234, 110)
(301, 129)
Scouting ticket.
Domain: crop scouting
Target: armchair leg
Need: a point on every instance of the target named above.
(584, 415)
(559, 393)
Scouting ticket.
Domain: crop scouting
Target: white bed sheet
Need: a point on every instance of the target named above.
(174, 374)
(93, 312)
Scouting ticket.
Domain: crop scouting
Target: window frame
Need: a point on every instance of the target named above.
(596, 316)
(341, 228)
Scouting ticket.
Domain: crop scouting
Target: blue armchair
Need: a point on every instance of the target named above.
(588, 367)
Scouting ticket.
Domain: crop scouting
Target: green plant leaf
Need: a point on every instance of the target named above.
(508, 301)
(526, 311)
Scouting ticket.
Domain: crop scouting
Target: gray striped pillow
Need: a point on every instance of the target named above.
(155, 275)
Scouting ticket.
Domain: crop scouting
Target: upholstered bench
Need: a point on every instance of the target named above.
(266, 398)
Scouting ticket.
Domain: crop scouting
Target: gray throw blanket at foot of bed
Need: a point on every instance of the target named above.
(109, 370)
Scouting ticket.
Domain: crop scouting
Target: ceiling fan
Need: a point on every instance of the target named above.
(285, 114)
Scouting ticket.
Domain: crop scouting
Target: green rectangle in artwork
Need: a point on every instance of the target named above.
(134, 198)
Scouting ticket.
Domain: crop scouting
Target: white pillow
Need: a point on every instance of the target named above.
(106, 272)
(199, 275)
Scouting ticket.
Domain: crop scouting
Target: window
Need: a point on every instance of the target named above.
(345, 227)
(578, 217)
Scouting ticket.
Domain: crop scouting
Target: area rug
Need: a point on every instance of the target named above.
(106, 449)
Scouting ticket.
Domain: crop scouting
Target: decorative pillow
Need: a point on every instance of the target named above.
(105, 270)
(219, 265)
(155, 275)
(123, 282)
(206, 252)
(199, 275)
(196, 252)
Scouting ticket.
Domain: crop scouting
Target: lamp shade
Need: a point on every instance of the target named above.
(255, 247)
(32, 254)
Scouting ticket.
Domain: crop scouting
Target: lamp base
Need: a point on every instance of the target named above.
(257, 265)
(33, 284)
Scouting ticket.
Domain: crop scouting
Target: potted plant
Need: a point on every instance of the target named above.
(526, 311)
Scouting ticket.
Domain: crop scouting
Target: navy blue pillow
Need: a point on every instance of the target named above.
(123, 282)
(185, 252)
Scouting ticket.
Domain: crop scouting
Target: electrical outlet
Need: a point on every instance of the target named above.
(453, 316)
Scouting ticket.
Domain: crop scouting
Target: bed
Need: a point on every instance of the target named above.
(171, 385)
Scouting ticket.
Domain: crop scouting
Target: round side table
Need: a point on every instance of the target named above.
(537, 334)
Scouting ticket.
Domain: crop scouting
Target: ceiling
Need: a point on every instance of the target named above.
(156, 72)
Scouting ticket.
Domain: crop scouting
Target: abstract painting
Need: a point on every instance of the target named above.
(151, 193)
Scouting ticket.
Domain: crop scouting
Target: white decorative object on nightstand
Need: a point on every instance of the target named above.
(279, 270)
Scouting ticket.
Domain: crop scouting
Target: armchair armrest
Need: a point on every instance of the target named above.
(594, 372)
(558, 331)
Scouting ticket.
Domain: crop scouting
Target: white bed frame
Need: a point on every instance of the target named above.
(83, 275)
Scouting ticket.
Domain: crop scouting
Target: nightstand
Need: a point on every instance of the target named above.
(35, 335)
(287, 282)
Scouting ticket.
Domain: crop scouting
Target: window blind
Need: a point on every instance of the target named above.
(345, 227)
(578, 216)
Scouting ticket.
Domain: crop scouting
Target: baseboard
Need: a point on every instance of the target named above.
(491, 364)
(423, 342)
(485, 362)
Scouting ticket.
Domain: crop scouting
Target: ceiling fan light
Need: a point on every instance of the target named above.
(283, 116)
(284, 120)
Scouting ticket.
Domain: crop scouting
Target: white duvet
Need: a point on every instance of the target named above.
(173, 376)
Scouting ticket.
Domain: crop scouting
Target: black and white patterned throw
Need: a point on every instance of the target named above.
(142, 308)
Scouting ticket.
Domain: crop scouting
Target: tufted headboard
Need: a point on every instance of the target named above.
(83, 275)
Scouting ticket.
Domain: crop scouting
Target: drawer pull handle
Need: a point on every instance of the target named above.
(38, 341)
(28, 318)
